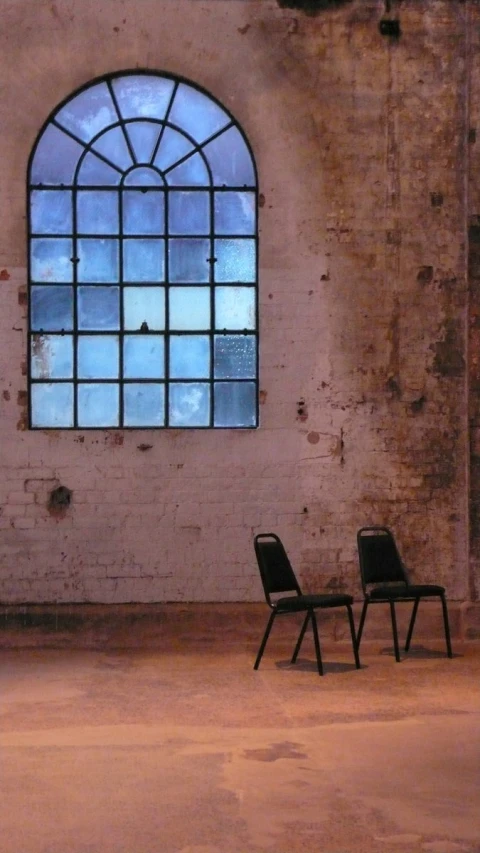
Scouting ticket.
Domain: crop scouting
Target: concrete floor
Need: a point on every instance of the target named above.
(127, 744)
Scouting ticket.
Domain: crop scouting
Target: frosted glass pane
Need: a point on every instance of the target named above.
(98, 405)
(189, 404)
(144, 260)
(189, 308)
(56, 158)
(192, 173)
(88, 113)
(234, 404)
(143, 212)
(189, 356)
(51, 308)
(95, 172)
(172, 148)
(234, 308)
(235, 357)
(141, 95)
(188, 260)
(52, 356)
(143, 176)
(97, 212)
(98, 309)
(51, 211)
(51, 259)
(235, 260)
(97, 260)
(97, 357)
(52, 404)
(189, 213)
(144, 305)
(143, 357)
(234, 213)
(230, 160)
(196, 113)
(144, 404)
(143, 137)
(113, 146)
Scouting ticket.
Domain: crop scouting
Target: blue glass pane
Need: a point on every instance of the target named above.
(189, 260)
(95, 172)
(141, 95)
(143, 357)
(52, 404)
(97, 260)
(56, 158)
(234, 404)
(196, 113)
(189, 213)
(144, 305)
(98, 309)
(98, 404)
(230, 160)
(143, 137)
(143, 176)
(234, 308)
(144, 260)
(235, 260)
(51, 259)
(97, 357)
(189, 308)
(143, 212)
(189, 404)
(192, 173)
(235, 357)
(51, 211)
(234, 213)
(189, 356)
(88, 113)
(51, 308)
(97, 212)
(172, 148)
(113, 146)
(52, 356)
(144, 404)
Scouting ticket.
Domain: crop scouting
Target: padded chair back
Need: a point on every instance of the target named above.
(275, 568)
(380, 561)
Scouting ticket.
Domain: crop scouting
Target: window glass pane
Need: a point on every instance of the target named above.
(234, 213)
(143, 212)
(89, 112)
(189, 308)
(95, 172)
(51, 308)
(144, 305)
(52, 404)
(143, 176)
(189, 213)
(234, 404)
(172, 148)
(235, 260)
(98, 308)
(140, 95)
(189, 356)
(192, 173)
(189, 260)
(113, 146)
(51, 211)
(97, 260)
(230, 160)
(58, 169)
(143, 137)
(98, 404)
(51, 259)
(235, 357)
(234, 308)
(143, 357)
(52, 356)
(97, 357)
(97, 212)
(196, 113)
(144, 260)
(144, 404)
(189, 404)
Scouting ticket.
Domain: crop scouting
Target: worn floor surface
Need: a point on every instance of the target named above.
(182, 748)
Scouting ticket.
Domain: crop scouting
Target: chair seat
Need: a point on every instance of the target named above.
(404, 593)
(304, 602)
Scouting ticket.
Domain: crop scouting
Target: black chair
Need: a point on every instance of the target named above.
(381, 565)
(278, 576)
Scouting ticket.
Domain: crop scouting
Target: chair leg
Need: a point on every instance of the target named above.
(265, 638)
(394, 631)
(446, 626)
(354, 639)
(362, 623)
(300, 638)
(412, 623)
(317, 642)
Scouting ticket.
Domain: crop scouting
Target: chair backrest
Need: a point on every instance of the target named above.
(275, 568)
(380, 561)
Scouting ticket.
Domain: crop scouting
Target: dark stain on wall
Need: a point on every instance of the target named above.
(448, 359)
(312, 7)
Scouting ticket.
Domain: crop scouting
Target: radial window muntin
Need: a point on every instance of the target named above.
(98, 264)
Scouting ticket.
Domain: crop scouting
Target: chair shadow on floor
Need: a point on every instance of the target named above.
(304, 665)
(418, 652)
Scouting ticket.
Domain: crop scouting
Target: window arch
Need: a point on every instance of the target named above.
(143, 267)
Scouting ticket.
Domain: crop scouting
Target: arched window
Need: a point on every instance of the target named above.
(143, 261)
